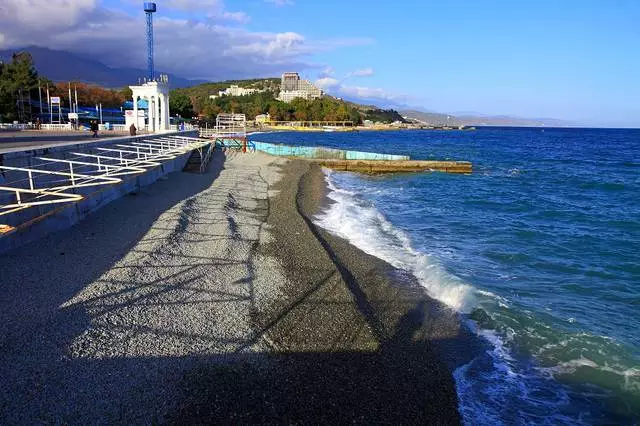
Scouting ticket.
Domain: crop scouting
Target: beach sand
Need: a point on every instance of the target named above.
(213, 298)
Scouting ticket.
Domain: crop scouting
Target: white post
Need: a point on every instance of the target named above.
(157, 113)
(167, 114)
(135, 112)
(151, 114)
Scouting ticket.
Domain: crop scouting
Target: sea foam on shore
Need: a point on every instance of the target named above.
(360, 223)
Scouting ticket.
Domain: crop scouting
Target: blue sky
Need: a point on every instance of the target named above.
(565, 59)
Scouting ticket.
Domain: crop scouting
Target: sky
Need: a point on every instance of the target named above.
(574, 60)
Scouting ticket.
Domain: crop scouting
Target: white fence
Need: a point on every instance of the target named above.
(69, 126)
(44, 184)
(56, 127)
(31, 126)
(11, 126)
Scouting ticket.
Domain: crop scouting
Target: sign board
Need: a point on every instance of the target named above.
(129, 113)
(55, 99)
(73, 116)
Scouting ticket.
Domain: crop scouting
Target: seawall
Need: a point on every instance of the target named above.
(315, 152)
(362, 162)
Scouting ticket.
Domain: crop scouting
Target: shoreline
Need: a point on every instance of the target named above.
(214, 298)
(408, 334)
(351, 339)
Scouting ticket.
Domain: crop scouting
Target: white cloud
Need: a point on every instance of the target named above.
(45, 15)
(281, 3)
(375, 94)
(326, 83)
(206, 49)
(281, 45)
(241, 17)
(193, 4)
(327, 72)
(359, 93)
(365, 72)
(211, 9)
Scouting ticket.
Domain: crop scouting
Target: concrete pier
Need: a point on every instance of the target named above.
(393, 166)
(363, 162)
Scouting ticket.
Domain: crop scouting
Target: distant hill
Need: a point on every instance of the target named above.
(482, 120)
(260, 103)
(60, 65)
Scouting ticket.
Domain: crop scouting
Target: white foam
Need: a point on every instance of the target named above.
(360, 223)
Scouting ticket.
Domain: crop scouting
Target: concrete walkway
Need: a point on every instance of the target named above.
(99, 323)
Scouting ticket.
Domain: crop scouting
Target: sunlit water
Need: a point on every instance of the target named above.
(538, 249)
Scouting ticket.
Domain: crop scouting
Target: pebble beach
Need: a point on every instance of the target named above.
(214, 298)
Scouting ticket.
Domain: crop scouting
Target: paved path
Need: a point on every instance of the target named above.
(101, 322)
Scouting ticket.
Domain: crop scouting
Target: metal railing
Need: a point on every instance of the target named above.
(54, 127)
(56, 180)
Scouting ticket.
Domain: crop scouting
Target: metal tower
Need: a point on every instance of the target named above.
(150, 9)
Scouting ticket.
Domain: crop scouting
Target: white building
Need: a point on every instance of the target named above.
(292, 87)
(156, 93)
(235, 90)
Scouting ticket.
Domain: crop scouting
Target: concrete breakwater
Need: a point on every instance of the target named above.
(363, 162)
(399, 166)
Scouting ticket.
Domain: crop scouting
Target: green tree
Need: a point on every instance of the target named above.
(355, 116)
(18, 75)
(180, 104)
(127, 93)
(342, 113)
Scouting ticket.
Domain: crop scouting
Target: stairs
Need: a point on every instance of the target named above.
(194, 162)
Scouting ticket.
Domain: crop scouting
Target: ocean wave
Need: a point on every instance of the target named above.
(360, 223)
(518, 370)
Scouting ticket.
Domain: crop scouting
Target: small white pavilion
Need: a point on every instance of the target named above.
(156, 93)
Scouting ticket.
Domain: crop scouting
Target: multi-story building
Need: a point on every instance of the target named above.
(234, 90)
(293, 87)
(289, 81)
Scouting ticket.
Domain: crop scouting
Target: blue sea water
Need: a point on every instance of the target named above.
(538, 249)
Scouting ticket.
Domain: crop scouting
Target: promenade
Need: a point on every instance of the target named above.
(10, 140)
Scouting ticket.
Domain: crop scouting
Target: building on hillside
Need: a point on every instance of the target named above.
(289, 81)
(235, 90)
(262, 118)
(292, 87)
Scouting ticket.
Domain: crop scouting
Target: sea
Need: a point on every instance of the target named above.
(538, 250)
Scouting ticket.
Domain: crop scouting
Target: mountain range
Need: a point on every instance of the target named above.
(439, 119)
(59, 65)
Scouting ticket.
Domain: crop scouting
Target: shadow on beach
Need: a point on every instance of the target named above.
(161, 307)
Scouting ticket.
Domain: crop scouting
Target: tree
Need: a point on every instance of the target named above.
(180, 104)
(18, 75)
(126, 93)
(342, 113)
(355, 116)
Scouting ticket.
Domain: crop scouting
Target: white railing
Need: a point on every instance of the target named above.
(56, 127)
(187, 127)
(12, 126)
(39, 185)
